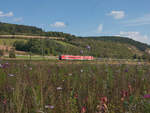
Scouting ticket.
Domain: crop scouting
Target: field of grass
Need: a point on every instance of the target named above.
(9, 42)
(64, 43)
(33, 57)
(67, 87)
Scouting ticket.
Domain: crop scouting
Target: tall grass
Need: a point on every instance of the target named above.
(74, 88)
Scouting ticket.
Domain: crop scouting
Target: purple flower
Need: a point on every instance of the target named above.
(126, 70)
(49, 71)
(49, 106)
(81, 51)
(4, 65)
(147, 96)
(88, 47)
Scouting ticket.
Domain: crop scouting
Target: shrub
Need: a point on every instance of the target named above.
(12, 53)
(1, 53)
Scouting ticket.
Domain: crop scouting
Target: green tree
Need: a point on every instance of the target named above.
(12, 53)
(1, 53)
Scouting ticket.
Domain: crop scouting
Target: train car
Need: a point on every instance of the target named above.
(73, 57)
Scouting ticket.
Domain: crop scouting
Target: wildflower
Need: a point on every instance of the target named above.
(11, 75)
(126, 70)
(122, 99)
(103, 99)
(49, 71)
(30, 68)
(88, 47)
(147, 96)
(83, 110)
(70, 74)
(130, 88)
(124, 93)
(81, 70)
(6, 63)
(59, 88)
(76, 95)
(1, 66)
(4, 101)
(143, 79)
(102, 107)
(40, 111)
(12, 88)
(81, 51)
(49, 106)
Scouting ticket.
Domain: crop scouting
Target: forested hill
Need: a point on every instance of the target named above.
(10, 29)
(139, 45)
(14, 29)
(112, 44)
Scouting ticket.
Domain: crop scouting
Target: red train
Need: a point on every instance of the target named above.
(72, 57)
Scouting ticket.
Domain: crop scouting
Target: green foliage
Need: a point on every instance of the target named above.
(74, 46)
(1, 52)
(12, 53)
(15, 29)
(73, 103)
(20, 45)
(139, 45)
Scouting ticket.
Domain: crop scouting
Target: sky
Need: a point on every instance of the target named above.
(128, 18)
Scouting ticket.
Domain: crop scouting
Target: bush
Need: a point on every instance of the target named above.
(12, 53)
(1, 53)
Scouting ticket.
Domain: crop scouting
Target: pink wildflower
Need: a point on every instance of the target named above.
(147, 96)
(83, 110)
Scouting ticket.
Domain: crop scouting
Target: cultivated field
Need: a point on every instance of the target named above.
(70, 87)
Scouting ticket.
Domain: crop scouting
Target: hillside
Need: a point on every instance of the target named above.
(14, 29)
(79, 46)
(139, 45)
(104, 47)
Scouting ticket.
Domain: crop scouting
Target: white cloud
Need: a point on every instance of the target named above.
(18, 19)
(9, 14)
(135, 36)
(117, 14)
(100, 28)
(58, 24)
(144, 20)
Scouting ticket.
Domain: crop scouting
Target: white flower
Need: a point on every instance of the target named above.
(1, 65)
(49, 106)
(59, 88)
(70, 74)
(11, 75)
(40, 111)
